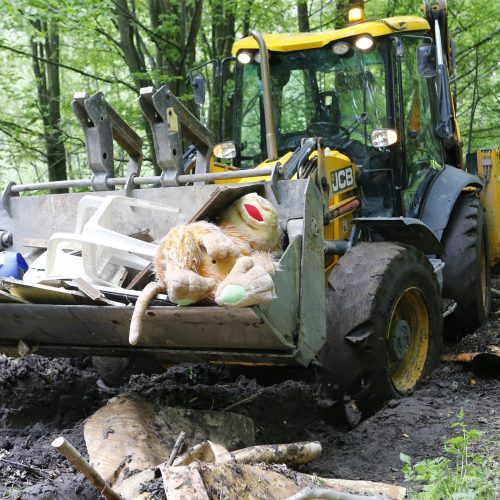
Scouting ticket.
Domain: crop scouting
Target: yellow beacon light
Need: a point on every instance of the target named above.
(355, 15)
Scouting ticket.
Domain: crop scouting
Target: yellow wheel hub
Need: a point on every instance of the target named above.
(407, 340)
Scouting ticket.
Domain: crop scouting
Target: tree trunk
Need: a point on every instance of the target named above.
(130, 43)
(49, 98)
(133, 53)
(223, 20)
(175, 52)
(303, 16)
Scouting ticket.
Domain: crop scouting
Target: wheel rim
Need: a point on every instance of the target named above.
(407, 340)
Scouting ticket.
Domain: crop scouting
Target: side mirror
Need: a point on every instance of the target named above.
(383, 137)
(225, 150)
(198, 84)
(426, 60)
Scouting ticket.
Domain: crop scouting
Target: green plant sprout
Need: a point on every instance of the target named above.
(461, 474)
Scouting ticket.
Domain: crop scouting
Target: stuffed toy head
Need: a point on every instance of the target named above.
(256, 219)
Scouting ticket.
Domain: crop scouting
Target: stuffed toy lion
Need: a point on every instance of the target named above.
(231, 262)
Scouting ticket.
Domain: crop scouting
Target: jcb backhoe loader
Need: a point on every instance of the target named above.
(352, 135)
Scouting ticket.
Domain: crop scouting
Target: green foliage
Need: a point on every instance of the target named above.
(461, 474)
(95, 55)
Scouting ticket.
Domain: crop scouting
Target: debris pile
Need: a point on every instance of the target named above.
(131, 443)
(94, 265)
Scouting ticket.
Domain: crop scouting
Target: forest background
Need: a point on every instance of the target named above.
(50, 49)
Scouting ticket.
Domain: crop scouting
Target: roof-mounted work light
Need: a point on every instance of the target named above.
(355, 15)
(341, 48)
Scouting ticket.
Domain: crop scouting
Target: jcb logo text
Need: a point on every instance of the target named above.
(342, 179)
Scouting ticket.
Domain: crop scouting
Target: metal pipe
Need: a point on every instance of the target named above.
(81, 465)
(272, 148)
(19, 188)
(5, 239)
(344, 209)
(214, 176)
(138, 181)
(208, 177)
(335, 247)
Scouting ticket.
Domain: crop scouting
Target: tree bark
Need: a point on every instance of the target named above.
(303, 16)
(223, 34)
(174, 53)
(49, 97)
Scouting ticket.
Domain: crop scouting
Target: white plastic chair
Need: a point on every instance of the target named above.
(102, 248)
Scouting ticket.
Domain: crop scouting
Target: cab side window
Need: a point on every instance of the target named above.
(423, 152)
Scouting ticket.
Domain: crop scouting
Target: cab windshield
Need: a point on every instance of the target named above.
(315, 93)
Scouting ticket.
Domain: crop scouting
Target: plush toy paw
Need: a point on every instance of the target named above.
(264, 259)
(247, 284)
(184, 287)
(219, 246)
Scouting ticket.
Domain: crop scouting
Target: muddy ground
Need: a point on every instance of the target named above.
(43, 398)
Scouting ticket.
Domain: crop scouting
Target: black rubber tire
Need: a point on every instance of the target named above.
(465, 243)
(115, 371)
(363, 290)
(111, 370)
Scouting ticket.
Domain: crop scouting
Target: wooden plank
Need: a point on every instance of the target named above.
(9, 298)
(43, 294)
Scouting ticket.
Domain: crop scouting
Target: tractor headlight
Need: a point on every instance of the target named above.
(244, 57)
(364, 42)
(341, 48)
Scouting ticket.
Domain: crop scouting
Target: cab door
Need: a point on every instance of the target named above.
(421, 150)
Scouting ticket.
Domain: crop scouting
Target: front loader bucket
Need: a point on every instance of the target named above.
(290, 329)
(51, 329)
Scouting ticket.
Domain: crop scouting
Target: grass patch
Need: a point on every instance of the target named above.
(463, 472)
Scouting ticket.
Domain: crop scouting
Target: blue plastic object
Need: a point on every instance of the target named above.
(12, 265)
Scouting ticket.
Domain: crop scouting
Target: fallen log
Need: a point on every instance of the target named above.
(289, 454)
(233, 481)
(329, 494)
(359, 487)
